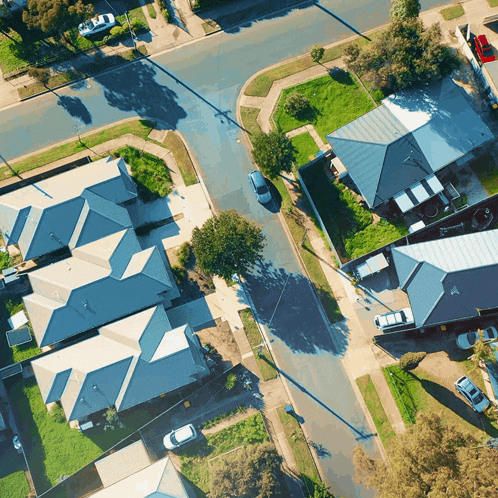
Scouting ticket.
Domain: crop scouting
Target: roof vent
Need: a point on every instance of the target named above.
(454, 291)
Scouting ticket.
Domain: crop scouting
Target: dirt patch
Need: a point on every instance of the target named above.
(220, 337)
(443, 369)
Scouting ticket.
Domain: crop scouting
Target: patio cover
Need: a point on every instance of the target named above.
(372, 265)
(18, 320)
(418, 193)
(19, 336)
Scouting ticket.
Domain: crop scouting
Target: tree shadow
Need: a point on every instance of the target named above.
(285, 304)
(75, 108)
(134, 89)
(341, 76)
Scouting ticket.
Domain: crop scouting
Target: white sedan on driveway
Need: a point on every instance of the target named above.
(466, 341)
(97, 25)
(179, 437)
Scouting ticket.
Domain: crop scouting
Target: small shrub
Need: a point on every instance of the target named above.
(57, 413)
(410, 361)
(119, 30)
(231, 381)
(4, 260)
(184, 254)
(296, 104)
(137, 24)
(178, 273)
(317, 53)
(166, 15)
(490, 413)
(40, 74)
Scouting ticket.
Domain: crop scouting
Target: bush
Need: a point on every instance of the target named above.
(4, 260)
(166, 15)
(40, 74)
(183, 254)
(410, 361)
(317, 53)
(231, 381)
(296, 104)
(119, 30)
(137, 24)
(178, 273)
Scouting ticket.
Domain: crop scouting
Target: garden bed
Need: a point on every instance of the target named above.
(335, 100)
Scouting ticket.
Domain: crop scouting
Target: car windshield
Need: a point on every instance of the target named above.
(106, 19)
(472, 391)
(478, 398)
(471, 337)
(173, 439)
(261, 190)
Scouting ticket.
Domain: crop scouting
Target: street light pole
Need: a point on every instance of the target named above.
(131, 32)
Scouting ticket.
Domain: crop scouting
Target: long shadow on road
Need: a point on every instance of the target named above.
(134, 89)
(286, 305)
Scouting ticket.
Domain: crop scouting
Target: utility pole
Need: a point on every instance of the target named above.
(131, 32)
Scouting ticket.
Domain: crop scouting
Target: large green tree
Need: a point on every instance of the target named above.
(227, 244)
(273, 153)
(431, 460)
(406, 55)
(56, 15)
(249, 473)
(403, 9)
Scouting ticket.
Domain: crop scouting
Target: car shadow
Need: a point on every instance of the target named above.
(457, 405)
(276, 199)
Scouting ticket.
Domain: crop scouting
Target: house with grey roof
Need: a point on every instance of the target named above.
(131, 361)
(450, 279)
(102, 281)
(394, 151)
(159, 480)
(68, 210)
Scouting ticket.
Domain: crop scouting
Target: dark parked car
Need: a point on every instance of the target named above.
(259, 187)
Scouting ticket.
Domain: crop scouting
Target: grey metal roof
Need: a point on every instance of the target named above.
(131, 361)
(411, 135)
(449, 279)
(77, 206)
(94, 287)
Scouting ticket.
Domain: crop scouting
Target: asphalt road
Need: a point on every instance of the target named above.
(194, 89)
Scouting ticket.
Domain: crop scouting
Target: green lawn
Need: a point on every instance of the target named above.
(174, 143)
(335, 101)
(493, 3)
(9, 306)
(261, 85)
(487, 171)
(52, 448)
(374, 405)
(4, 260)
(150, 173)
(140, 128)
(195, 458)
(265, 361)
(249, 121)
(14, 485)
(422, 392)
(452, 12)
(306, 148)
(349, 225)
(299, 446)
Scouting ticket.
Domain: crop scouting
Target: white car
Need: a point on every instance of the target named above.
(394, 319)
(179, 437)
(466, 341)
(97, 25)
(472, 394)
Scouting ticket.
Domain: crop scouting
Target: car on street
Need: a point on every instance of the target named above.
(472, 394)
(259, 187)
(17, 444)
(179, 437)
(466, 341)
(484, 49)
(393, 319)
(97, 25)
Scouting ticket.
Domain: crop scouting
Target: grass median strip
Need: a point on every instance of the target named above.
(175, 144)
(299, 447)
(264, 361)
(374, 405)
(452, 12)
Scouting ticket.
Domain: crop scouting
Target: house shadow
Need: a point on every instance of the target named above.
(286, 305)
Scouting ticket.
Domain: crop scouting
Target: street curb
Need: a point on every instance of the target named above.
(51, 90)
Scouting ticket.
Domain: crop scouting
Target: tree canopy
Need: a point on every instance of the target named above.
(227, 244)
(431, 460)
(316, 53)
(250, 473)
(273, 153)
(403, 9)
(56, 15)
(406, 55)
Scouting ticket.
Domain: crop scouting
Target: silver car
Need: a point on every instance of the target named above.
(472, 394)
(259, 187)
(466, 341)
(393, 319)
(97, 25)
